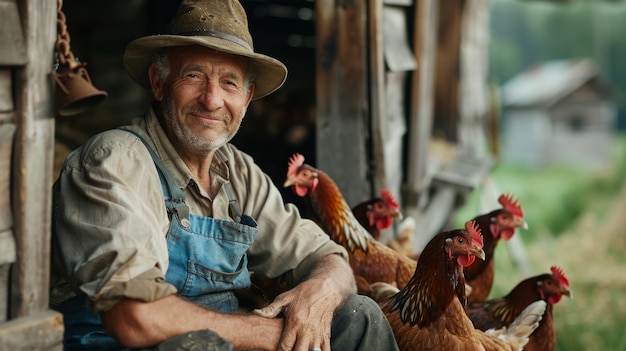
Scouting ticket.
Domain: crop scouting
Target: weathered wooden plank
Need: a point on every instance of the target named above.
(6, 93)
(395, 129)
(447, 69)
(41, 331)
(7, 247)
(399, 56)
(7, 257)
(341, 94)
(32, 206)
(377, 97)
(32, 167)
(4, 291)
(13, 48)
(474, 71)
(6, 145)
(421, 105)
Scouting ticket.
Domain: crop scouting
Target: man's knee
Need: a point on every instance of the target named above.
(360, 324)
(359, 306)
(205, 340)
(360, 313)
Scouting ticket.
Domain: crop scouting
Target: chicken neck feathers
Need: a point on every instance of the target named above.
(432, 287)
(336, 216)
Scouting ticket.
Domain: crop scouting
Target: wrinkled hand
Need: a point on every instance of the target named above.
(308, 311)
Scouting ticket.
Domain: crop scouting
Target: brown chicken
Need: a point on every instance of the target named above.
(427, 313)
(378, 213)
(499, 312)
(370, 260)
(496, 225)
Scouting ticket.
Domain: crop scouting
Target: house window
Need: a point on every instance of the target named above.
(576, 123)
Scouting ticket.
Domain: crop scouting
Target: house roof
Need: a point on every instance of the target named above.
(548, 82)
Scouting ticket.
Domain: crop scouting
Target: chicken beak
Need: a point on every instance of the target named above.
(397, 215)
(522, 223)
(478, 252)
(569, 293)
(289, 182)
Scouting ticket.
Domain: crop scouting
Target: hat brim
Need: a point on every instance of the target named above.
(270, 73)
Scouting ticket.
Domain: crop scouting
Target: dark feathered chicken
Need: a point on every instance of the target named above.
(377, 213)
(496, 225)
(496, 313)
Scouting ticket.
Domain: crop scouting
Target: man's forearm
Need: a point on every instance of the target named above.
(335, 267)
(143, 324)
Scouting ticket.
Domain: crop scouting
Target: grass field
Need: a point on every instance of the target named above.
(577, 220)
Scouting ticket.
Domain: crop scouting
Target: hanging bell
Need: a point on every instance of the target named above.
(75, 93)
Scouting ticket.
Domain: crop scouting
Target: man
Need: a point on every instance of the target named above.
(156, 224)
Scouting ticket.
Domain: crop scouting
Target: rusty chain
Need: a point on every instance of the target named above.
(65, 56)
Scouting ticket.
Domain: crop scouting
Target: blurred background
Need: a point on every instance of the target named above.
(549, 60)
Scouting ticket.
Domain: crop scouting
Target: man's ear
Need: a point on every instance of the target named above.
(156, 85)
(251, 88)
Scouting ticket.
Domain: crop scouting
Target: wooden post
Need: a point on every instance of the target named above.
(421, 109)
(342, 95)
(377, 95)
(31, 325)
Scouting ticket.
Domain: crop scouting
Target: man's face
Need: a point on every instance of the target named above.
(204, 98)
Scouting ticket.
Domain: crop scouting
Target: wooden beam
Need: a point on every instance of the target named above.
(377, 96)
(342, 108)
(33, 159)
(14, 52)
(447, 70)
(421, 104)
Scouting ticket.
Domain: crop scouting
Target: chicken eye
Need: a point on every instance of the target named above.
(305, 173)
(460, 240)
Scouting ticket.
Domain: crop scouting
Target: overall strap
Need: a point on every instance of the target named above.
(172, 191)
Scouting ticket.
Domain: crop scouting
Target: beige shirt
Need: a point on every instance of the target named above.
(110, 219)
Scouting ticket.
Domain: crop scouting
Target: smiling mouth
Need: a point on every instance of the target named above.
(208, 118)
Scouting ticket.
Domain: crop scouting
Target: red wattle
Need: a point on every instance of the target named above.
(465, 260)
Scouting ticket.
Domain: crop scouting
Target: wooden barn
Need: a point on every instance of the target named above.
(559, 113)
(381, 94)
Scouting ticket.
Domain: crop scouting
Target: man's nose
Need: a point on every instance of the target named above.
(211, 97)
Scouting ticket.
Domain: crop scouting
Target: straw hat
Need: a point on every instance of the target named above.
(216, 24)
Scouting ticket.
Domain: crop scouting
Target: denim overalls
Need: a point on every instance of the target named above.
(207, 261)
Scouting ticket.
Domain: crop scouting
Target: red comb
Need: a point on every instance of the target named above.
(510, 204)
(560, 276)
(474, 231)
(295, 162)
(390, 199)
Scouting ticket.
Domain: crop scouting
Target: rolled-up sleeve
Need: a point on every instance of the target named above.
(110, 223)
(287, 245)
